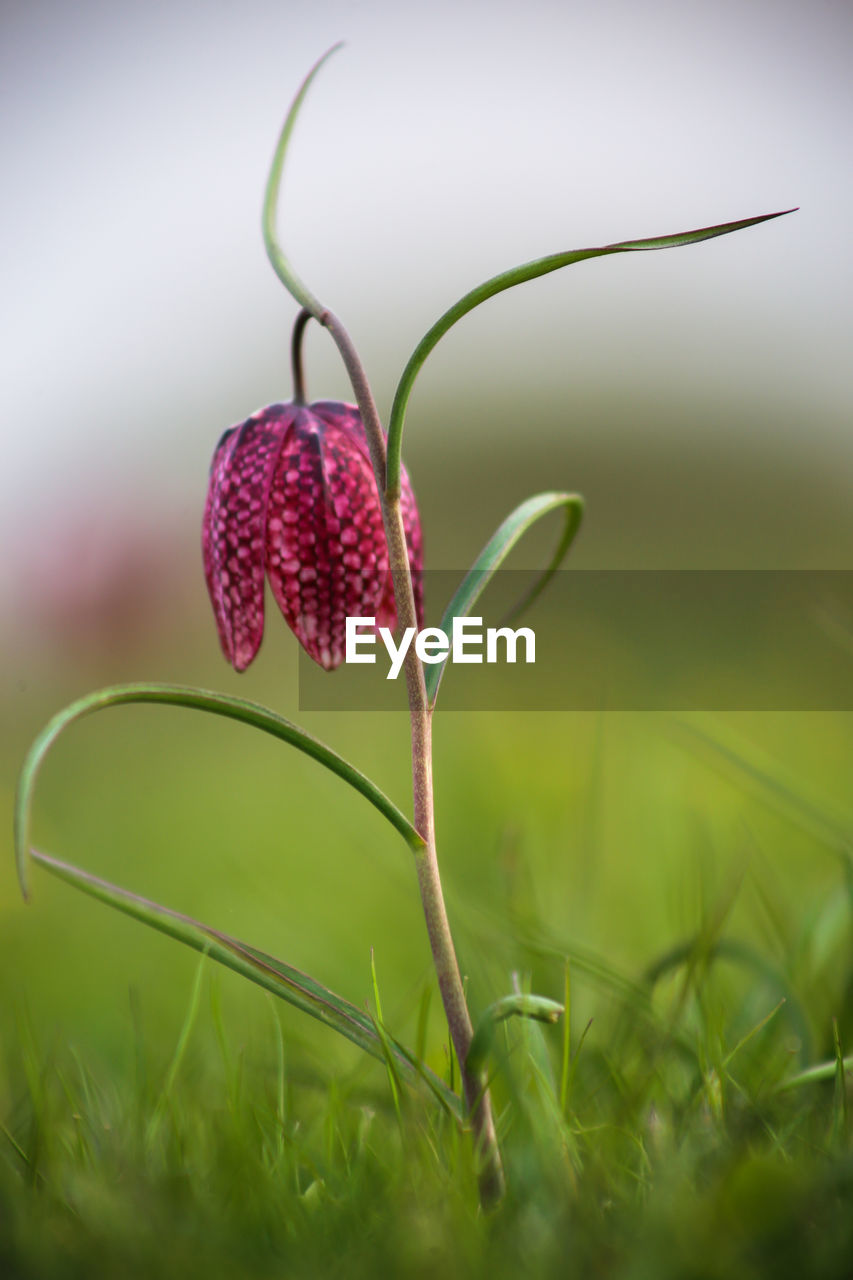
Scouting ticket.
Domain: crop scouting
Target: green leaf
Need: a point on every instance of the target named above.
(280, 264)
(273, 975)
(506, 280)
(817, 1074)
(200, 700)
(540, 1008)
(492, 557)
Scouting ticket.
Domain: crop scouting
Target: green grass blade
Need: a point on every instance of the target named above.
(15, 1145)
(281, 979)
(566, 1057)
(841, 1119)
(443, 1094)
(506, 280)
(818, 1074)
(423, 1022)
(379, 1027)
(281, 1088)
(753, 1031)
(734, 951)
(164, 1102)
(492, 557)
(200, 700)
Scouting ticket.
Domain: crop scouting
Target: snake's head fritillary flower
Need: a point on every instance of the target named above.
(293, 498)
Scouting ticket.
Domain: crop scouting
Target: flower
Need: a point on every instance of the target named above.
(292, 496)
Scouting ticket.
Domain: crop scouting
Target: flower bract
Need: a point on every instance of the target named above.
(293, 499)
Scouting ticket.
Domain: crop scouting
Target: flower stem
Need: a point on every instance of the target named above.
(296, 355)
(490, 1171)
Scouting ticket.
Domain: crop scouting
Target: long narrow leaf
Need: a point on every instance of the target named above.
(273, 975)
(275, 253)
(815, 1075)
(492, 557)
(200, 700)
(506, 280)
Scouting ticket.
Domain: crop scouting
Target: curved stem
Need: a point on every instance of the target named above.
(478, 1104)
(296, 355)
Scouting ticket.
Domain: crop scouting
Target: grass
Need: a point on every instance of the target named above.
(676, 1155)
(695, 878)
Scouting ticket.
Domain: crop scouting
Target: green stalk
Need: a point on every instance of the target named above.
(491, 1180)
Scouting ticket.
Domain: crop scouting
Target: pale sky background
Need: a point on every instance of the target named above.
(138, 314)
(447, 141)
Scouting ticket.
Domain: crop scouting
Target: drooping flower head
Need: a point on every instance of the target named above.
(293, 498)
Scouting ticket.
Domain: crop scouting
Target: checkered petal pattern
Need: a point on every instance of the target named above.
(293, 499)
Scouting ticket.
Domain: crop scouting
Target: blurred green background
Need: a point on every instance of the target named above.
(699, 399)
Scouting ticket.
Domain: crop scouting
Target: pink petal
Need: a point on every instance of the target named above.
(414, 541)
(346, 418)
(326, 552)
(233, 529)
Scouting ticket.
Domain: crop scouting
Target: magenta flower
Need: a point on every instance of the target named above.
(292, 496)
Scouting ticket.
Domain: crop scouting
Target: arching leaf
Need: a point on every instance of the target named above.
(284, 981)
(506, 280)
(492, 557)
(200, 700)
